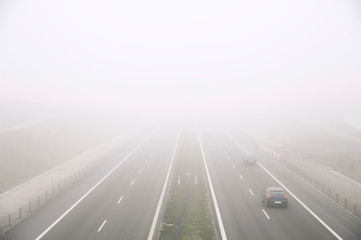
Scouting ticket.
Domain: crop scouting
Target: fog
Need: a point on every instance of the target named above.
(183, 58)
(85, 84)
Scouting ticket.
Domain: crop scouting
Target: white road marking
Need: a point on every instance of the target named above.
(302, 204)
(228, 158)
(140, 170)
(92, 189)
(235, 142)
(234, 166)
(294, 196)
(219, 218)
(120, 199)
(265, 214)
(131, 183)
(146, 161)
(161, 199)
(101, 226)
(250, 191)
(240, 176)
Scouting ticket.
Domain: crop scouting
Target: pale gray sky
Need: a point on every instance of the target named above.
(182, 56)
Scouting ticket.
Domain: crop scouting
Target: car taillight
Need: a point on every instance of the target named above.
(285, 195)
(269, 195)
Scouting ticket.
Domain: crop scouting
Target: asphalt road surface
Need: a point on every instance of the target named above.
(116, 201)
(120, 199)
(238, 192)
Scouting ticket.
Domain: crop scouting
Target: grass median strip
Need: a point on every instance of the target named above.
(187, 213)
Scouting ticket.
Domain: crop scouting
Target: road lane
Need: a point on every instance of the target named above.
(243, 214)
(130, 219)
(338, 220)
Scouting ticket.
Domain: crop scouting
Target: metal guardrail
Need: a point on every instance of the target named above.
(344, 203)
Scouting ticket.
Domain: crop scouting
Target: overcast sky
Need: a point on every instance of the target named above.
(182, 56)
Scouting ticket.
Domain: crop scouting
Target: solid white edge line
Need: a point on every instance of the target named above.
(219, 218)
(87, 193)
(101, 226)
(266, 214)
(294, 196)
(240, 176)
(235, 142)
(161, 199)
(303, 205)
(131, 183)
(140, 170)
(250, 191)
(120, 199)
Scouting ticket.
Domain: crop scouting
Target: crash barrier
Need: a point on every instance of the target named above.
(14, 216)
(349, 204)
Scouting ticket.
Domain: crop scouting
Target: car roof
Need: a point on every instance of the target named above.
(275, 189)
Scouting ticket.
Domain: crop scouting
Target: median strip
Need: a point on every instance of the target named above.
(188, 210)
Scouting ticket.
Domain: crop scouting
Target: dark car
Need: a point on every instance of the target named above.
(249, 159)
(274, 196)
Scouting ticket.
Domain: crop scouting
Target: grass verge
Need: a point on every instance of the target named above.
(187, 213)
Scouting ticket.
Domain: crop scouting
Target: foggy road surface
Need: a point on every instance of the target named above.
(120, 199)
(238, 191)
(122, 205)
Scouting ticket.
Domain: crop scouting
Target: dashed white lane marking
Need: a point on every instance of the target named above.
(131, 183)
(146, 161)
(293, 195)
(101, 226)
(218, 213)
(92, 189)
(250, 191)
(233, 166)
(120, 199)
(265, 214)
(161, 199)
(303, 205)
(140, 170)
(240, 176)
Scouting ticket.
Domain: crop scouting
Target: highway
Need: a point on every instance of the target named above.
(238, 192)
(121, 199)
(116, 201)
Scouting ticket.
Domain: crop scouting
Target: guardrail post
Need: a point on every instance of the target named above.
(354, 209)
(323, 188)
(19, 213)
(345, 203)
(329, 192)
(59, 186)
(38, 200)
(46, 196)
(29, 206)
(9, 220)
(337, 197)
